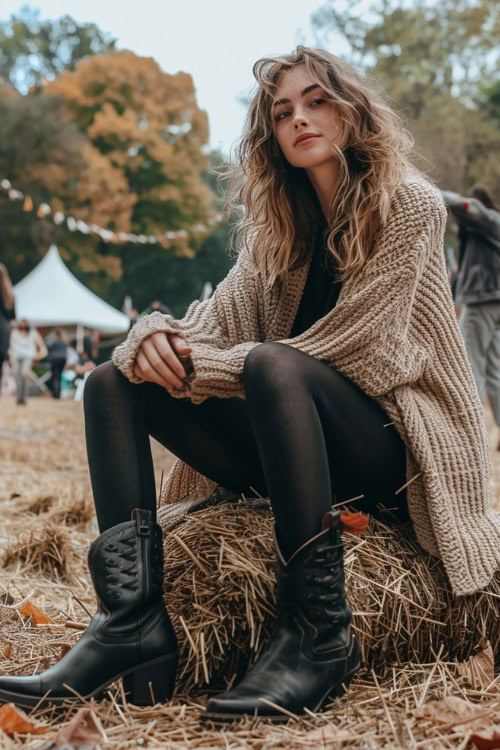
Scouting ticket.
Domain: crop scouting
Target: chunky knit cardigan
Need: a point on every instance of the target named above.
(393, 332)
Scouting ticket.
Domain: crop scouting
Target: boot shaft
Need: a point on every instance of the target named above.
(126, 567)
(312, 583)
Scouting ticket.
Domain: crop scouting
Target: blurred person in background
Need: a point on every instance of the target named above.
(56, 359)
(25, 346)
(477, 287)
(7, 313)
(156, 306)
(91, 346)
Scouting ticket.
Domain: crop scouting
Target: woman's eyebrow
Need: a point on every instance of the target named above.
(306, 91)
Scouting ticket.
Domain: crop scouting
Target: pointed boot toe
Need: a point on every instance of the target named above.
(23, 691)
(313, 654)
(130, 636)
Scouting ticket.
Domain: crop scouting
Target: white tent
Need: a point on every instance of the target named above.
(51, 296)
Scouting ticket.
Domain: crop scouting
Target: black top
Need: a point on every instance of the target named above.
(322, 287)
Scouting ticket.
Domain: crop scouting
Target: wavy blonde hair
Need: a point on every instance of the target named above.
(276, 201)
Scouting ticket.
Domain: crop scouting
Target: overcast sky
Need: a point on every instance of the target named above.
(217, 41)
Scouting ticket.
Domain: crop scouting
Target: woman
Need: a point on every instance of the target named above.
(328, 364)
(478, 287)
(26, 345)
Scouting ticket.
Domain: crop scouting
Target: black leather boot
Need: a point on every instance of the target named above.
(130, 635)
(313, 653)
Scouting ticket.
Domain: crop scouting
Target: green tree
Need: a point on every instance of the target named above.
(32, 49)
(436, 60)
(41, 154)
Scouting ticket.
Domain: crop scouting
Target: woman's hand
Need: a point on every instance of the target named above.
(158, 361)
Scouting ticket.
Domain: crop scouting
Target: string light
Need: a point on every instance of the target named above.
(43, 210)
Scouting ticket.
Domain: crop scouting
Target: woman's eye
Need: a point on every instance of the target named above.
(281, 116)
(317, 101)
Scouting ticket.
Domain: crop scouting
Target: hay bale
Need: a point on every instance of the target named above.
(220, 586)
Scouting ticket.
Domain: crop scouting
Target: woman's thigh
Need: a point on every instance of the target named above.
(366, 455)
(215, 437)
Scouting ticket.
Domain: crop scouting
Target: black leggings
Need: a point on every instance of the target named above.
(305, 436)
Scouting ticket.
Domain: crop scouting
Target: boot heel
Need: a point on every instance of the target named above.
(151, 683)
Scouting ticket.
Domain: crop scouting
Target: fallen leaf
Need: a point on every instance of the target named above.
(28, 610)
(13, 720)
(479, 669)
(6, 598)
(6, 650)
(354, 523)
(487, 738)
(82, 729)
(451, 710)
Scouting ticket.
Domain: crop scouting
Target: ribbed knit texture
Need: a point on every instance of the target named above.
(393, 332)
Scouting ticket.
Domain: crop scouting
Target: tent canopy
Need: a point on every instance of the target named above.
(51, 296)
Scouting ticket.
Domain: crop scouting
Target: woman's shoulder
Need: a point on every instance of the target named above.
(416, 198)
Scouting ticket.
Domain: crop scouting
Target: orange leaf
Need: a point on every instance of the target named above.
(28, 610)
(12, 721)
(353, 523)
(6, 651)
(487, 738)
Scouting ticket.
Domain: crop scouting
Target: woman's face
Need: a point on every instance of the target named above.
(301, 109)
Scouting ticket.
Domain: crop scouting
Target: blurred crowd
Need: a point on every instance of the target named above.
(46, 362)
(36, 361)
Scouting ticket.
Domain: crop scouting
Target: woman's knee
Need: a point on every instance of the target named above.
(102, 382)
(271, 365)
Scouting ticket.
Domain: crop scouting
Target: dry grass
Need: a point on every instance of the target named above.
(44, 484)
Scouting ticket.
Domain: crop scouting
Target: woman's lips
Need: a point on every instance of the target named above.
(308, 139)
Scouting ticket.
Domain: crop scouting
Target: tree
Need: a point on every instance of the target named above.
(40, 154)
(32, 50)
(436, 60)
(49, 159)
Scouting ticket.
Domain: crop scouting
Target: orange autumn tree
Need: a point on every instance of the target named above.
(144, 127)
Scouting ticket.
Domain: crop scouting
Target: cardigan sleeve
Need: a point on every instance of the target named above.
(229, 316)
(367, 335)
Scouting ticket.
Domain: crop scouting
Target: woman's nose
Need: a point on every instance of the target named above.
(299, 118)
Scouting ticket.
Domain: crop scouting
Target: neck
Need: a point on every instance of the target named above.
(324, 179)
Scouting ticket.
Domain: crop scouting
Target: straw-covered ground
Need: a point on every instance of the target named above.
(424, 684)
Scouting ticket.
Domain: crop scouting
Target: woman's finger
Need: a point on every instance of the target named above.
(157, 363)
(179, 345)
(164, 352)
(146, 371)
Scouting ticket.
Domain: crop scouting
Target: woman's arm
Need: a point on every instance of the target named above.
(229, 316)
